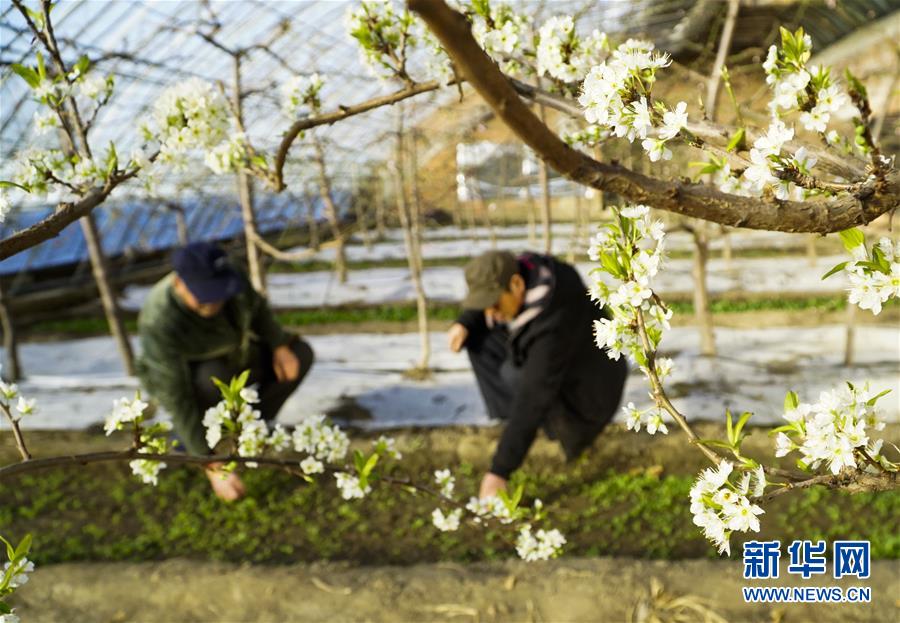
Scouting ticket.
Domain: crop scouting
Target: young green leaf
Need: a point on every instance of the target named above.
(738, 141)
(740, 426)
(834, 270)
(27, 74)
(791, 401)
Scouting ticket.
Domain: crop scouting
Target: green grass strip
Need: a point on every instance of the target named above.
(101, 513)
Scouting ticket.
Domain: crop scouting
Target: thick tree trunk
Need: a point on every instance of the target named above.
(416, 207)
(255, 266)
(811, 253)
(727, 250)
(361, 208)
(180, 223)
(12, 371)
(413, 252)
(380, 208)
(850, 335)
(107, 296)
(312, 222)
(331, 213)
(248, 214)
(546, 215)
(702, 311)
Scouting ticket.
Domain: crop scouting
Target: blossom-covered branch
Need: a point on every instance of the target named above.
(325, 448)
(697, 200)
(833, 432)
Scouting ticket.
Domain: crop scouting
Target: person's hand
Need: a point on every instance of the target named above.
(226, 485)
(286, 364)
(456, 337)
(491, 484)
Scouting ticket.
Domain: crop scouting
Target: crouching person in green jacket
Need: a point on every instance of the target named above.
(203, 321)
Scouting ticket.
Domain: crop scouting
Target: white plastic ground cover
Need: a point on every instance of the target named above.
(451, 242)
(373, 286)
(76, 381)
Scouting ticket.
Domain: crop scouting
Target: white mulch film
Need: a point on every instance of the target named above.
(79, 379)
(75, 381)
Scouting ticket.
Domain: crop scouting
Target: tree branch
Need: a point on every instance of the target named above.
(17, 432)
(277, 175)
(678, 196)
(65, 214)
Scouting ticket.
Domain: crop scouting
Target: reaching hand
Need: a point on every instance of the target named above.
(491, 485)
(456, 337)
(286, 364)
(227, 485)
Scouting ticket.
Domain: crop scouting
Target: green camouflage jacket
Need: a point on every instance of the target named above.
(172, 337)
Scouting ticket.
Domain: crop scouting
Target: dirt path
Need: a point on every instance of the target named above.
(589, 590)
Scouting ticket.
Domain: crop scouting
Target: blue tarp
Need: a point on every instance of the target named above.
(147, 226)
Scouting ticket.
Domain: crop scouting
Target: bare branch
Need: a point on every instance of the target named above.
(277, 175)
(17, 433)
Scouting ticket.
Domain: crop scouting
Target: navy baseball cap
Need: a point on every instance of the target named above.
(207, 273)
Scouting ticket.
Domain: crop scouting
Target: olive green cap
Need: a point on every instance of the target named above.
(488, 276)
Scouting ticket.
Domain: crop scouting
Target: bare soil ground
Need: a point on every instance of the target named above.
(596, 590)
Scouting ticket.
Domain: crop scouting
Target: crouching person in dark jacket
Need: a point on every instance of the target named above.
(528, 330)
(205, 321)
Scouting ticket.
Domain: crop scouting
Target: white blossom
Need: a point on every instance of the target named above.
(147, 471)
(25, 406)
(45, 121)
(674, 121)
(387, 446)
(249, 394)
(300, 95)
(310, 466)
(721, 508)
(540, 545)
(445, 481)
(18, 573)
(350, 486)
(124, 411)
(315, 437)
(831, 430)
(93, 87)
(448, 522)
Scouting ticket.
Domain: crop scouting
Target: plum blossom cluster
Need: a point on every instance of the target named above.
(148, 439)
(616, 96)
(834, 431)
(9, 392)
(448, 522)
(300, 95)
(721, 506)
(505, 35)
(564, 55)
(796, 87)
(383, 34)
(539, 545)
(351, 486)
(874, 274)
(504, 508)
(13, 575)
(323, 442)
(630, 250)
(42, 171)
(191, 115)
(652, 419)
(235, 417)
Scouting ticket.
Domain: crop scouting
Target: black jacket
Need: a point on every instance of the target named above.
(559, 366)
